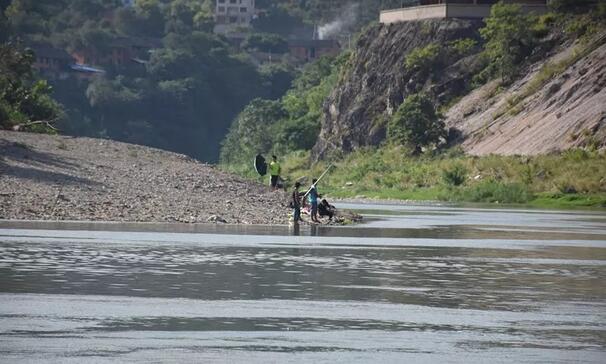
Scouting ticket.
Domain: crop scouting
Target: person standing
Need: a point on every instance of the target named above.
(296, 203)
(274, 172)
(313, 201)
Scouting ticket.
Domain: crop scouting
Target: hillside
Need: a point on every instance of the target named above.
(566, 112)
(45, 177)
(376, 81)
(556, 103)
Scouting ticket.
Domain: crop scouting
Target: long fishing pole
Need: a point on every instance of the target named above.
(314, 185)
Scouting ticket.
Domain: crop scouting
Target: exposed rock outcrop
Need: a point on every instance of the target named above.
(564, 111)
(376, 80)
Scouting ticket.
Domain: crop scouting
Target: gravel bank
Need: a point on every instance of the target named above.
(44, 177)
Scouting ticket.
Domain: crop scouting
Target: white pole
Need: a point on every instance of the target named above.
(314, 185)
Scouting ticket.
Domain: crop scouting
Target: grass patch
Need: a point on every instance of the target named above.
(571, 179)
(558, 200)
(391, 173)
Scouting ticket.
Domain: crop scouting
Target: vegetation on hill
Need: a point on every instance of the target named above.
(185, 93)
(25, 103)
(181, 96)
(281, 126)
(510, 42)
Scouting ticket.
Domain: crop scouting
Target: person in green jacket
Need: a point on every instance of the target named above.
(274, 172)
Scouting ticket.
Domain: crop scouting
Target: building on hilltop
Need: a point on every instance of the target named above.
(442, 9)
(233, 14)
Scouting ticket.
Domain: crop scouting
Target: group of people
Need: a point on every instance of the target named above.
(316, 209)
(298, 197)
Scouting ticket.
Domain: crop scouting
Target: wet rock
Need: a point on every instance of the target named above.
(216, 219)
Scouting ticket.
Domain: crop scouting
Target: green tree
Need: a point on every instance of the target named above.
(508, 38)
(277, 79)
(24, 101)
(416, 124)
(251, 132)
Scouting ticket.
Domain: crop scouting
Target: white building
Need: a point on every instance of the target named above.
(232, 14)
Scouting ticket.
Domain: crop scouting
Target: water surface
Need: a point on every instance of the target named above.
(417, 284)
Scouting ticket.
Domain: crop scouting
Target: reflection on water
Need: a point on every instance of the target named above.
(448, 277)
(313, 302)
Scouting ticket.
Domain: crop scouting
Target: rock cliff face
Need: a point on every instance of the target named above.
(376, 81)
(566, 111)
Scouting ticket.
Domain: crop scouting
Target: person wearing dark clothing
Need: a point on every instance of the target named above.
(326, 209)
(296, 203)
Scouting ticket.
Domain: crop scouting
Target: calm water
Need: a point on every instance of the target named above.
(412, 284)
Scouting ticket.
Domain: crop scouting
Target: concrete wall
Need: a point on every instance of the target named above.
(441, 11)
(413, 13)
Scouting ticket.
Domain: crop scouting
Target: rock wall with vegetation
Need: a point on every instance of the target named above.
(516, 84)
(390, 63)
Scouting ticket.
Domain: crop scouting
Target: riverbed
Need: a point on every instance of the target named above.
(421, 284)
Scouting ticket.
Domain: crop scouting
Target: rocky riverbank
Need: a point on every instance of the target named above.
(46, 177)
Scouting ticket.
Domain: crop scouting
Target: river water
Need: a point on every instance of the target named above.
(422, 284)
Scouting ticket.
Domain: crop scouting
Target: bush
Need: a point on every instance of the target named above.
(463, 47)
(423, 59)
(24, 101)
(508, 41)
(455, 176)
(416, 123)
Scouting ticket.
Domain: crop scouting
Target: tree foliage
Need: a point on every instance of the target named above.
(423, 59)
(289, 124)
(416, 124)
(251, 131)
(23, 99)
(181, 95)
(508, 38)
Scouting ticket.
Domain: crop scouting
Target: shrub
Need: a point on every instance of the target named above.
(463, 47)
(416, 123)
(455, 176)
(508, 41)
(423, 59)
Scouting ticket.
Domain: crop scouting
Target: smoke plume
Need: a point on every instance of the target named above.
(345, 20)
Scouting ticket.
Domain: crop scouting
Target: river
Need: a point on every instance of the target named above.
(422, 284)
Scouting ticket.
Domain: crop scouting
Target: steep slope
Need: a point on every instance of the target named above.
(544, 111)
(376, 81)
(568, 111)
